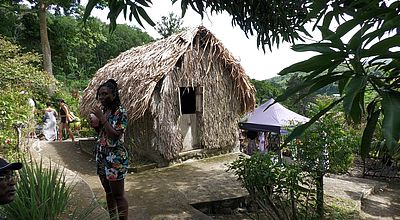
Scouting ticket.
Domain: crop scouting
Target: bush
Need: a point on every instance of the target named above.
(42, 193)
(281, 191)
(20, 79)
(330, 140)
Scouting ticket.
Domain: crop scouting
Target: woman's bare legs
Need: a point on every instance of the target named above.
(115, 198)
(60, 134)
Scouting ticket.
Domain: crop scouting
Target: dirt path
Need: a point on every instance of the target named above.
(383, 204)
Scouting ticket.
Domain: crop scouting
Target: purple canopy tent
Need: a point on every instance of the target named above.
(274, 119)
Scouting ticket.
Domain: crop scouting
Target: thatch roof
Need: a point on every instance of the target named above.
(138, 70)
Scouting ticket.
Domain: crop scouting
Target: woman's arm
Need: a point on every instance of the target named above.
(111, 132)
(54, 112)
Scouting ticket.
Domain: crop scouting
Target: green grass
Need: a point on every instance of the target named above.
(341, 209)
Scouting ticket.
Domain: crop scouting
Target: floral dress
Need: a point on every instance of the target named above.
(111, 155)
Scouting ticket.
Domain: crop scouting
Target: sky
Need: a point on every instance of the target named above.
(257, 64)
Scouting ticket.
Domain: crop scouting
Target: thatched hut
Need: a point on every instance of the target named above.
(182, 93)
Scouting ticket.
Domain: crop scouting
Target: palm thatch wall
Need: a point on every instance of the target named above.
(149, 78)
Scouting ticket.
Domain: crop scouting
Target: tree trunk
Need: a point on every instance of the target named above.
(44, 40)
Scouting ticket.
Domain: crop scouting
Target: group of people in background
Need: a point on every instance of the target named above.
(67, 120)
(259, 141)
(263, 142)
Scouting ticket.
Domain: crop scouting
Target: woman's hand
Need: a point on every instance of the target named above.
(94, 121)
(99, 114)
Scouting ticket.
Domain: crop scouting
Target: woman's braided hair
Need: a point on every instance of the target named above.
(111, 84)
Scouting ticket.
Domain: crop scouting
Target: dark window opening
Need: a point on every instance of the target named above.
(188, 100)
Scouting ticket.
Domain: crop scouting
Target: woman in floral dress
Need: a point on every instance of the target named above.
(110, 122)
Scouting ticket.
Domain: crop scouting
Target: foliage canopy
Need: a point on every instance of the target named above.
(372, 61)
(272, 21)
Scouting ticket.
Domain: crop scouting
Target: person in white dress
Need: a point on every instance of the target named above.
(50, 123)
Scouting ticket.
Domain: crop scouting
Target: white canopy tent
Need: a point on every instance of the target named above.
(273, 119)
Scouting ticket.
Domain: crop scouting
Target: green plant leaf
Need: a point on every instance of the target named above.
(324, 81)
(88, 9)
(357, 108)
(368, 133)
(391, 119)
(144, 2)
(144, 15)
(184, 6)
(299, 130)
(316, 62)
(343, 82)
(355, 42)
(134, 11)
(381, 47)
(352, 90)
(317, 47)
(292, 90)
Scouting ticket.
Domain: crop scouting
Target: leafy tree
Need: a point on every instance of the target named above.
(265, 90)
(123, 38)
(20, 79)
(326, 147)
(272, 21)
(300, 106)
(75, 57)
(169, 25)
(372, 64)
(80, 49)
(41, 7)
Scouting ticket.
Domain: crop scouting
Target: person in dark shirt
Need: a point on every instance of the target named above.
(65, 119)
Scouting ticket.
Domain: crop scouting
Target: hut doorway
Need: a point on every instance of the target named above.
(190, 102)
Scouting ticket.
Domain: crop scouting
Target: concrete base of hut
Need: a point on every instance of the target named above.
(87, 145)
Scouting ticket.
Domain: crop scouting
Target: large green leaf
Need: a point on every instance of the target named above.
(344, 81)
(385, 57)
(88, 9)
(318, 9)
(355, 42)
(319, 83)
(346, 27)
(369, 130)
(324, 81)
(388, 25)
(145, 3)
(330, 36)
(391, 119)
(317, 47)
(357, 109)
(134, 12)
(323, 69)
(292, 90)
(352, 90)
(382, 46)
(144, 15)
(313, 63)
